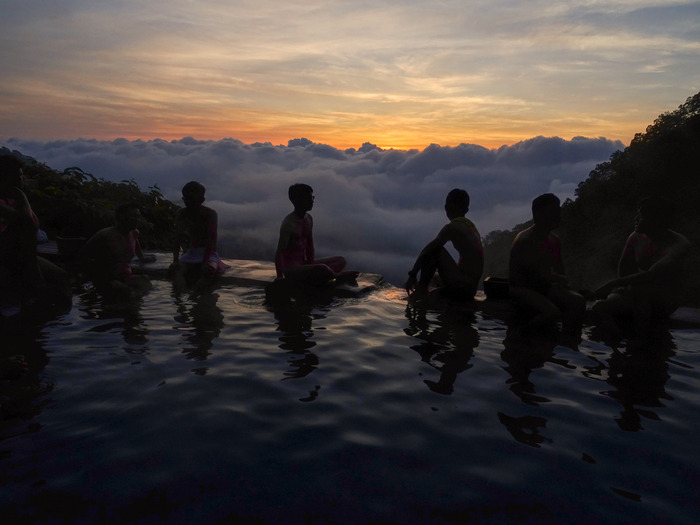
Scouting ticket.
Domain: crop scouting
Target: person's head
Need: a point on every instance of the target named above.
(546, 212)
(654, 213)
(10, 171)
(127, 216)
(302, 196)
(457, 203)
(193, 193)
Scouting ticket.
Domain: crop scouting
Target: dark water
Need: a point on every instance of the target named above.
(183, 409)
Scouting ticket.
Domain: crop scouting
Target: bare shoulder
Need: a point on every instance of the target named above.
(109, 231)
(287, 223)
(634, 236)
(451, 230)
(102, 236)
(525, 247)
(522, 237)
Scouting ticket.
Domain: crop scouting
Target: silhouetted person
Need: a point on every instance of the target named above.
(196, 228)
(20, 268)
(650, 272)
(537, 279)
(18, 226)
(109, 252)
(295, 259)
(458, 279)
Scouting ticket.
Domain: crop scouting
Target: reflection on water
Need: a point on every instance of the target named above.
(448, 343)
(426, 415)
(639, 374)
(526, 429)
(200, 320)
(522, 357)
(124, 316)
(23, 390)
(294, 321)
(295, 324)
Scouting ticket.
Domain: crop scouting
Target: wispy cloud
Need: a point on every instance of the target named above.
(401, 74)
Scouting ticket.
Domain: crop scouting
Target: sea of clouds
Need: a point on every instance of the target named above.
(376, 207)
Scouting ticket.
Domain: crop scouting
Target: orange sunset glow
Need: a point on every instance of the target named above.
(401, 75)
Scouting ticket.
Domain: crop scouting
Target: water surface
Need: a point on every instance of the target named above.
(205, 408)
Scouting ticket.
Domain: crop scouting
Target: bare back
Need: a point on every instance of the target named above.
(467, 241)
(197, 227)
(533, 260)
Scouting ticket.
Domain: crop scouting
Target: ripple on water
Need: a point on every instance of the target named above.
(361, 407)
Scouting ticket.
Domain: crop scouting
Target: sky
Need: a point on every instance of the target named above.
(382, 107)
(399, 74)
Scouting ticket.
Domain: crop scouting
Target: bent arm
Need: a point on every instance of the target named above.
(438, 242)
(663, 270)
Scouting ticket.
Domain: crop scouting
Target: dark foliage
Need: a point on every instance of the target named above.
(77, 204)
(662, 161)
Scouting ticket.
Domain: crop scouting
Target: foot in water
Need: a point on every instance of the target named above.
(420, 293)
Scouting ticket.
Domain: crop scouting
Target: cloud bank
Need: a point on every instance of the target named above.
(376, 207)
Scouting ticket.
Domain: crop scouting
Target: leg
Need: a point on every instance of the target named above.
(571, 304)
(56, 279)
(177, 272)
(546, 312)
(204, 275)
(313, 274)
(455, 283)
(429, 266)
(618, 303)
(335, 263)
(447, 269)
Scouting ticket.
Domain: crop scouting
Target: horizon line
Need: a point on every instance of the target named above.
(374, 145)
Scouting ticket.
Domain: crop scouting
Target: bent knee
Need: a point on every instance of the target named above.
(604, 307)
(527, 299)
(578, 302)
